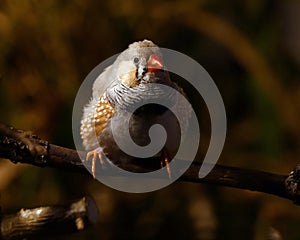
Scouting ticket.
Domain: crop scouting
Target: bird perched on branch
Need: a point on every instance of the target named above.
(120, 87)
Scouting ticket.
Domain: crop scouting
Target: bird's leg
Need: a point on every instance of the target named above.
(165, 162)
(95, 153)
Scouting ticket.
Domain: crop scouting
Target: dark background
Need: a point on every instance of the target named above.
(251, 49)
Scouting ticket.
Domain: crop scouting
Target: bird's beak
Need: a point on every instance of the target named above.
(154, 63)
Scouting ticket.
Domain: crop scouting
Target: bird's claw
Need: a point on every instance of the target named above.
(95, 153)
(165, 162)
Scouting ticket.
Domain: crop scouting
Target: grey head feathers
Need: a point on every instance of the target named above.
(137, 51)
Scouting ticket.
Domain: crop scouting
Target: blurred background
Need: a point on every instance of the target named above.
(251, 49)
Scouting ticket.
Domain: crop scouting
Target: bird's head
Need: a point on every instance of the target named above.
(139, 64)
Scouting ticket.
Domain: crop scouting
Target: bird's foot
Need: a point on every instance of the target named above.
(165, 161)
(96, 153)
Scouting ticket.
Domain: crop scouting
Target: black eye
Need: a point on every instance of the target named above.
(136, 60)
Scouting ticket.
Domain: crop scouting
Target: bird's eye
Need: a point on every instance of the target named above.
(136, 60)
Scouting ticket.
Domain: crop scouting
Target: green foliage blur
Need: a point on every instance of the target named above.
(250, 48)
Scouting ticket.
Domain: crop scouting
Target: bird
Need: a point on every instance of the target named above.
(115, 91)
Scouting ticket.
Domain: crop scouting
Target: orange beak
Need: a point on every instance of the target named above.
(154, 63)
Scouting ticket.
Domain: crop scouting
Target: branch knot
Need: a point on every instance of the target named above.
(23, 146)
(292, 184)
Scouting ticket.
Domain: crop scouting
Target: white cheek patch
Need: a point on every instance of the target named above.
(127, 73)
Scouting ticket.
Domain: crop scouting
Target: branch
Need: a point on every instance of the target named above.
(24, 147)
(49, 220)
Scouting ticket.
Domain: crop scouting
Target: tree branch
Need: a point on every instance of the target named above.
(49, 220)
(24, 147)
